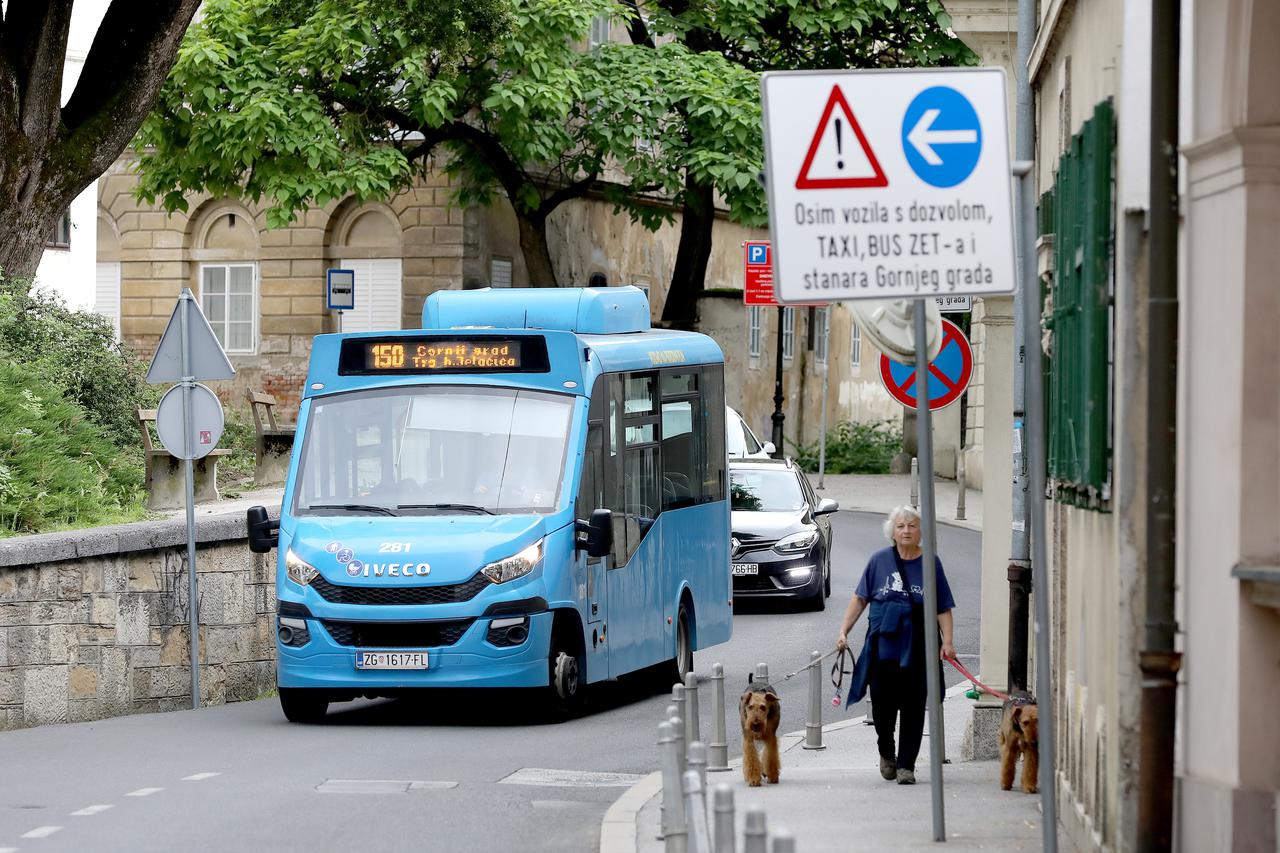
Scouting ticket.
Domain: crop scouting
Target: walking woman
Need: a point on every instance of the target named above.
(893, 658)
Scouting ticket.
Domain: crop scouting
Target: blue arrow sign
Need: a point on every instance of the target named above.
(941, 136)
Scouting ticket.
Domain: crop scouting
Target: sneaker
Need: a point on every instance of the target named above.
(888, 769)
(906, 777)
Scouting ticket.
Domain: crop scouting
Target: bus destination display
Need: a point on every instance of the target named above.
(443, 355)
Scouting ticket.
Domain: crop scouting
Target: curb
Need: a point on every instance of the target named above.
(618, 828)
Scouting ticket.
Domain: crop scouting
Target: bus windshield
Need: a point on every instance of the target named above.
(434, 449)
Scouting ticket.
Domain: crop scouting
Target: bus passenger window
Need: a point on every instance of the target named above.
(681, 482)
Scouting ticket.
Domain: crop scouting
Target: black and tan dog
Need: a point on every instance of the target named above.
(761, 711)
(1020, 736)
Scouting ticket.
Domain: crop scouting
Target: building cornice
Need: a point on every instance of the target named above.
(1051, 25)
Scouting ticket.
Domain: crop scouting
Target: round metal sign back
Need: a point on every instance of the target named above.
(206, 422)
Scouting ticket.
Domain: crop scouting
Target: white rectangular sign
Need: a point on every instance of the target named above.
(888, 184)
(954, 304)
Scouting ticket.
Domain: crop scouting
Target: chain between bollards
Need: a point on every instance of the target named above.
(718, 749)
(813, 724)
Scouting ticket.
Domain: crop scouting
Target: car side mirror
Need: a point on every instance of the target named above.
(826, 506)
(264, 534)
(597, 533)
(769, 448)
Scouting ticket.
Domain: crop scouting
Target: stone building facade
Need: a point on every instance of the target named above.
(263, 289)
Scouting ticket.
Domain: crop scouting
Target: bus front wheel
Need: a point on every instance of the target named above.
(568, 679)
(301, 705)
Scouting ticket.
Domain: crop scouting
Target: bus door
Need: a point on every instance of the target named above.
(633, 493)
(591, 496)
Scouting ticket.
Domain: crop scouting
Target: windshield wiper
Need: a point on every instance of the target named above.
(374, 508)
(458, 507)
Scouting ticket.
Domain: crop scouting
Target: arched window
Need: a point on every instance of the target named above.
(227, 241)
(367, 240)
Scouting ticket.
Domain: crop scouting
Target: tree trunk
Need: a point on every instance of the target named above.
(689, 278)
(24, 230)
(537, 256)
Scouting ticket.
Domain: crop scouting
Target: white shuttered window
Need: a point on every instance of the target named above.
(106, 293)
(378, 296)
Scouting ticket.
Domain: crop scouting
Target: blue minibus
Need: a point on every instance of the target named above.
(529, 491)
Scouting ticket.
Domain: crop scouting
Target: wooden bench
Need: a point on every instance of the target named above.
(273, 443)
(166, 482)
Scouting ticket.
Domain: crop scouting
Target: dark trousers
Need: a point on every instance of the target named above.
(898, 691)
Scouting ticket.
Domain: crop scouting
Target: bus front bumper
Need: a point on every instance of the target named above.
(472, 661)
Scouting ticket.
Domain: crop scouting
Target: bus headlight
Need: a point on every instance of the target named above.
(298, 570)
(797, 542)
(518, 566)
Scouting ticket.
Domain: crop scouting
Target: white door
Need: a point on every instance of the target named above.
(377, 296)
(106, 293)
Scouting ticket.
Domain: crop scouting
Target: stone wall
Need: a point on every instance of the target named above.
(93, 623)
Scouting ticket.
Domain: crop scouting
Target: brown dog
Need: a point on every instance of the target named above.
(761, 711)
(1019, 736)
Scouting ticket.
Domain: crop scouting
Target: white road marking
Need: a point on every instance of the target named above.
(144, 792)
(8, 850)
(41, 832)
(379, 786)
(570, 778)
(89, 811)
(199, 777)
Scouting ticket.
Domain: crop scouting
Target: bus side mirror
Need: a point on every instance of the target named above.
(264, 534)
(597, 538)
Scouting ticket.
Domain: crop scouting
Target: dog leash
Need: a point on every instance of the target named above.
(838, 672)
(984, 688)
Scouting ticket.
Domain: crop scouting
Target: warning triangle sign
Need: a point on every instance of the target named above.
(839, 156)
(205, 357)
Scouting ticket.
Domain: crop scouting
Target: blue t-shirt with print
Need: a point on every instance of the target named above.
(880, 578)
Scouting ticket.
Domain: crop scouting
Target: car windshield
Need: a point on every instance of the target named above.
(765, 490)
(435, 449)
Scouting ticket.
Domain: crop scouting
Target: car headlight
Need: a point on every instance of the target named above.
(797, 542)
(298, 570)
(514, 567)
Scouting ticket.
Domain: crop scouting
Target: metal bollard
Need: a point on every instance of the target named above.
(915, 483)
(960, 484)
(784, 842)
(682, 757)
(813, 725)
(718, 749)
(755, 835)
(722, 807)
(677, 701)
(698, 761)
(692, 716)
(761, 674)
(698, 839)
(673, 820)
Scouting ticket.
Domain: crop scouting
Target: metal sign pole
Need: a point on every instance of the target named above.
(822, 424)
(924, 438)
(188, 448)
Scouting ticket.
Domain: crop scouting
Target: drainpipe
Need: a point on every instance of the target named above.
(1019, 573)
(1159, 659)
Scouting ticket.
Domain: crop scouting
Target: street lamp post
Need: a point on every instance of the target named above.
(778, 416)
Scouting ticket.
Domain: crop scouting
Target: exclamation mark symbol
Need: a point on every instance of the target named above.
(839, 149)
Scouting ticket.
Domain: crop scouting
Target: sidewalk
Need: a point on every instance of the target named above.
(270, 498)
(834, 799)
(882, 492)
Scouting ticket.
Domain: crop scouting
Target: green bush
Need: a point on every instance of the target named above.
(235, 472)
(57, 469)
(855, 448)
(76, 352)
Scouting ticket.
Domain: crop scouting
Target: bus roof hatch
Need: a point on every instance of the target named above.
(584, 310)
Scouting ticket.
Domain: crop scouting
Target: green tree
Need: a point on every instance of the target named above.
(758, 36)
(51, 151)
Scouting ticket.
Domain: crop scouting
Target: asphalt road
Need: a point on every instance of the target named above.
(238, 777)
